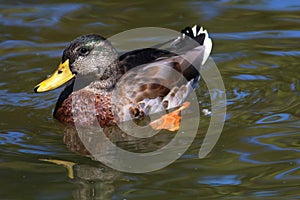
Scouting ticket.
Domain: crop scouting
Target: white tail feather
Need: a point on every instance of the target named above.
(197, 31)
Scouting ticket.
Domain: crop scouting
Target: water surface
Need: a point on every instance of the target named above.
(256, 48)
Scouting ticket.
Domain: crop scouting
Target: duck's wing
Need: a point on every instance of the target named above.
(157, 86)
(131, 59)
(189, 39)
(159, 79)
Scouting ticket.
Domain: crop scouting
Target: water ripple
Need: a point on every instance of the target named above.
(288, 174)
(18, 138)
(274, 143)
(250, 77)
(273, 34)
(282, 53)
(221, 180)
(24, 99)
(8, 44)
(270, 142)
(25, 48)
(275, 118)
(274, 5)
(35, 15)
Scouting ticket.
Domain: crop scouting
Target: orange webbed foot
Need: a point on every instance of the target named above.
(170, 121)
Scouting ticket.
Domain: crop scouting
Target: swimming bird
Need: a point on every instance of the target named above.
(106, 88)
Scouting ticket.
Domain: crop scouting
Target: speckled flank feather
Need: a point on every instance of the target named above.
(158, 86)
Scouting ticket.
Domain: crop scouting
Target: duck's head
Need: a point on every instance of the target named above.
(88, 57)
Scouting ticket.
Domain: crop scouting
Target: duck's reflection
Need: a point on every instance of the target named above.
(95, 180)
(81, 139)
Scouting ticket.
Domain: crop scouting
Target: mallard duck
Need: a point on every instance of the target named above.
(111, 87)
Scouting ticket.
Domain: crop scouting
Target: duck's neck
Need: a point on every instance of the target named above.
(106, 82)
(100, 86)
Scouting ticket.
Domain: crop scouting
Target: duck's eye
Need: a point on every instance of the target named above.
(83, 51)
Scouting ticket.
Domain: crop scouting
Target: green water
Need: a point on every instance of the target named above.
(256, 48)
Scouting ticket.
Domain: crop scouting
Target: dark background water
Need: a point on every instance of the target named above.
(256, 48)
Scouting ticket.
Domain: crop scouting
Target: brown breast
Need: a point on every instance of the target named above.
(86, 108)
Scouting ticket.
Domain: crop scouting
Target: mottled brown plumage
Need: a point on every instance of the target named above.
(88, 102)
(107, 89)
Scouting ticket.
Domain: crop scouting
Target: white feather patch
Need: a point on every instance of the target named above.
(207, 43)
(195, 31)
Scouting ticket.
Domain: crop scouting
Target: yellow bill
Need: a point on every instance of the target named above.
(62, 75)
